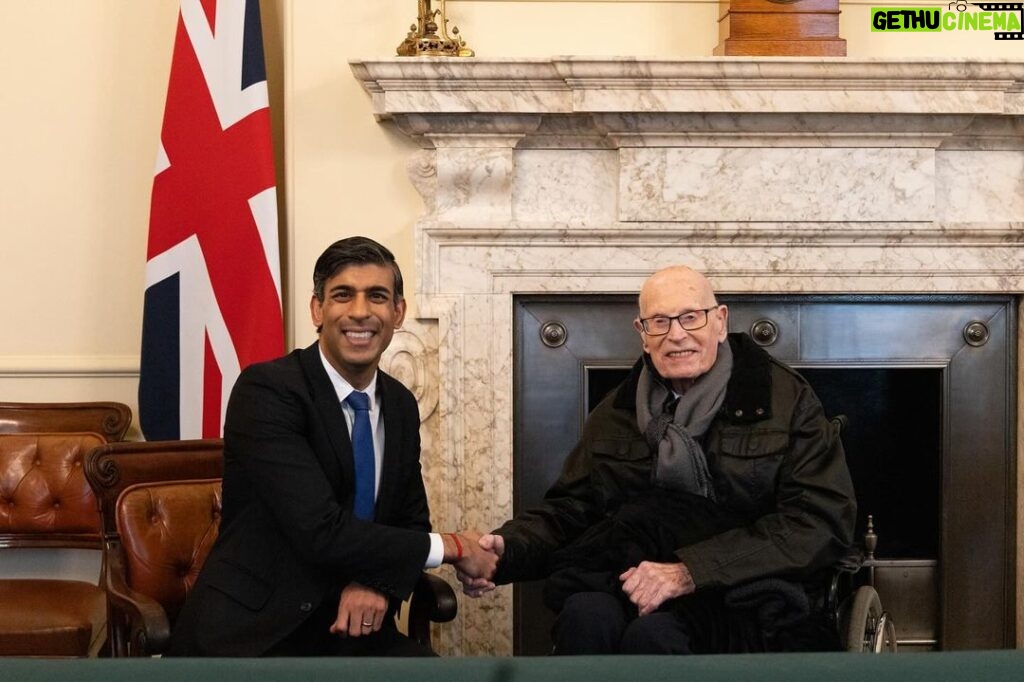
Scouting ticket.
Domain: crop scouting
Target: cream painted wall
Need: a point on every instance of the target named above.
(81, 111)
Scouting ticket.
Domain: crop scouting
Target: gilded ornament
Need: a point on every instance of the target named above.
(429, 37)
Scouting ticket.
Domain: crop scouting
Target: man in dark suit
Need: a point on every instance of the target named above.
(325, 524)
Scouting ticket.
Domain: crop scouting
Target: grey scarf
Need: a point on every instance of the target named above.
(680, 463)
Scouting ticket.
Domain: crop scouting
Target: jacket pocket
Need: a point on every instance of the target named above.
(620, 448)
(239, 583)
(620, 468)
(747, 467)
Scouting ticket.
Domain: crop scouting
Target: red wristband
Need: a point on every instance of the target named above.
(458, 545)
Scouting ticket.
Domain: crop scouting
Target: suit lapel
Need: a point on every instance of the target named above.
(326, 401)
(393, 440)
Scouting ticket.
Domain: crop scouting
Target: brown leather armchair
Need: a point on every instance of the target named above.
(160, 505)
(45, 502)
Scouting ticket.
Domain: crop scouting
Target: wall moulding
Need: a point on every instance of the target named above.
(69, 366)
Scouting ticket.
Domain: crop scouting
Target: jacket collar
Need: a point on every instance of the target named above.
(325, 398)
(312, 363)
(748, 394)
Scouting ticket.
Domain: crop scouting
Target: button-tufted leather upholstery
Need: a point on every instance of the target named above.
(166, 533)
(42, 487)
(45, 501)
(160, 511)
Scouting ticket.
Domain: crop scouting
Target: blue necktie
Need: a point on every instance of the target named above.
(362, 451)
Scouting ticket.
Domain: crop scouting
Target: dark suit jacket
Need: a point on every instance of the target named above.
(288, 539)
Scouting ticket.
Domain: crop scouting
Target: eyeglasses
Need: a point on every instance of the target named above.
(690, 321)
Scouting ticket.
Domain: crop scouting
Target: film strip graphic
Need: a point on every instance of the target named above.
(1004, 7)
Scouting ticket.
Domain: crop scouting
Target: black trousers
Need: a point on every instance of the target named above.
(599, 623)
(314, 638)
(699, 623)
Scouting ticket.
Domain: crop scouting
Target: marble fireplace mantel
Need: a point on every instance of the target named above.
(585, 175)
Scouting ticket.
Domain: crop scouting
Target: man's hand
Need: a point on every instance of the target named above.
(650, 584)
(361, 611)
(476, 585)
(476, 560)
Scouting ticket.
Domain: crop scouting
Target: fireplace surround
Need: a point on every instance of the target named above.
(771, 175)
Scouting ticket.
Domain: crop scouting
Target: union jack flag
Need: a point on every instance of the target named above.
(213, 280)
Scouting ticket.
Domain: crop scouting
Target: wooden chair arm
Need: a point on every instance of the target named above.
(138, 625)
(433, 600)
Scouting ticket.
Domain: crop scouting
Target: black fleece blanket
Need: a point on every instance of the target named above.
(647, 528)
(651, 528)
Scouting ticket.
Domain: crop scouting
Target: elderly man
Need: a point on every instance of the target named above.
(703, 505)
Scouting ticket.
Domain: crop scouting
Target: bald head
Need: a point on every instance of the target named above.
(684, 281)
(683, 298)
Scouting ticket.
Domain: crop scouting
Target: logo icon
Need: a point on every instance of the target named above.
(1004, 19)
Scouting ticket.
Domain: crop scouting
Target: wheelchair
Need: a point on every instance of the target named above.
(852, 603)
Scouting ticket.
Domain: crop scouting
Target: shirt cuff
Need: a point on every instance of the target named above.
(436, 556)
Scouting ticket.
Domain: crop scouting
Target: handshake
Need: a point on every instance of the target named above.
(475, 558)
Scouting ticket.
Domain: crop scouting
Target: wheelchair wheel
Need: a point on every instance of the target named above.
(868, 629)
(884, 639)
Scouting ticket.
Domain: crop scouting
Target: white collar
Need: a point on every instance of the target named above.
(341, 386)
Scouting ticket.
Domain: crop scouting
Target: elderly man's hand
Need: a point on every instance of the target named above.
(651, 584)
(478, 559)
(477, 585)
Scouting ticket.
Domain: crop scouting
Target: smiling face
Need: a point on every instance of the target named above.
(681, 356)
(358, 316)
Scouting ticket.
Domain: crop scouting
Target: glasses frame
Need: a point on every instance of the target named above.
(677, 318)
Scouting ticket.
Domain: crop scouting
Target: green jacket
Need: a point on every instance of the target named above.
(774, 457)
